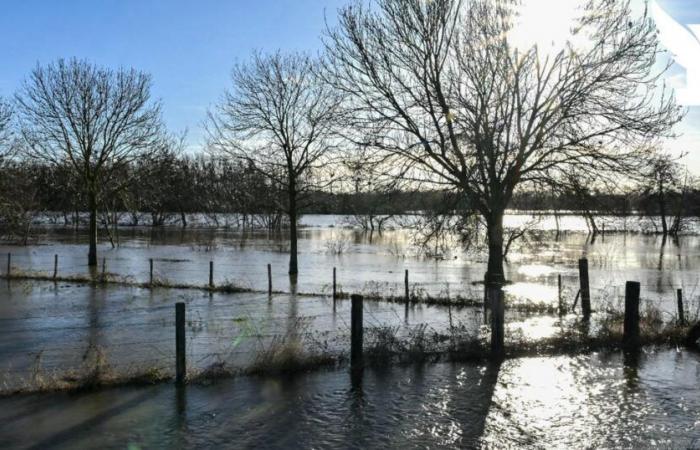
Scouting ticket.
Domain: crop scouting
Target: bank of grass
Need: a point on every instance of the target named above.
(107, 279)
(384, 292)
(374, 293)
(95, 372)
(384, 346)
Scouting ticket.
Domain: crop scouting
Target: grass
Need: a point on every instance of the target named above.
(106, 279)
(95, 372)
(373, 293)
(301, 351)
(384, 346)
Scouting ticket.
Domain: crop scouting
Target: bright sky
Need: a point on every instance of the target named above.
(190, 46)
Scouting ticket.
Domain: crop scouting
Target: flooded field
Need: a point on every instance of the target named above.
(376, 264)
(589, 401)
(604, 399)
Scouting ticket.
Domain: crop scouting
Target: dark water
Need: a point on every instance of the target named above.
(591, 401)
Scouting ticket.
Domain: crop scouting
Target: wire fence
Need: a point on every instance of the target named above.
(227, 276)
(50, 338)
(260, 334)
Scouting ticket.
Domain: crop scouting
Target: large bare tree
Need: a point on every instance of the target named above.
(278, 122)
(94, 119)
(440, 88)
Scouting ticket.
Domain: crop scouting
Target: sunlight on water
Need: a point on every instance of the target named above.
(601, 400)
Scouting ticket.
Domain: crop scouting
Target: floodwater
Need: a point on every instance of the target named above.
(597, 400)
(376, 264)
(591, 401)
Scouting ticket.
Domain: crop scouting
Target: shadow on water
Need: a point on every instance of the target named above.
(451, 410)
(66, 435)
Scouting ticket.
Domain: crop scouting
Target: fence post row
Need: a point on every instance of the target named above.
(585, 288)
(630, 336)
(495, 295)
(356, 332)
(180, 359)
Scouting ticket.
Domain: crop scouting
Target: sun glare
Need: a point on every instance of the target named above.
(545, 23)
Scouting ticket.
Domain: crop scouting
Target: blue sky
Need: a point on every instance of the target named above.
(189, 46)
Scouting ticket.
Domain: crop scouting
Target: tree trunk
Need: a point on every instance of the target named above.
(183, 220)
(494, 271)
(92, 206)
(662, 209)
(293, 265)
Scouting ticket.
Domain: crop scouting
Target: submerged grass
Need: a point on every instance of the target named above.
(384, 346)
(302, 351)
(106, 279)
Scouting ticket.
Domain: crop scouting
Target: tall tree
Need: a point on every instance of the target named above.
(278, 121)
(95, 119)
(440, 88)
(5, 129)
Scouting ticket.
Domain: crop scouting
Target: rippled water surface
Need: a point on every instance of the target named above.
(590, 401)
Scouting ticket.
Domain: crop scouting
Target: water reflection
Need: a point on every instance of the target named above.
(599, 400)
(242, 257)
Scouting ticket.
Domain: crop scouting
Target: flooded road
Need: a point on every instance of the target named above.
(588, 401)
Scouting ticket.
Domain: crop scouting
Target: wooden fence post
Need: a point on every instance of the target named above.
(405, 282)
(9, 265)
(211, 274)
(681, 309)
(561, 304)
(55, 266)
(335, 288)
(630, 337)
(180, 359)
(269, 279)
(407, 295)
(104, 266)
(495, 294)
(585, 288)
(150, 271)
(356, 333)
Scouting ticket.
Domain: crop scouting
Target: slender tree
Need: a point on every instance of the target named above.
(95, 119)
(440, 88)
(278, 121)
(5, 129)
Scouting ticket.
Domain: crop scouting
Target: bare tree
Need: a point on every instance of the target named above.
(278, 121)
(5, 129)
(663, 188)
(440, 88)
(96, 119)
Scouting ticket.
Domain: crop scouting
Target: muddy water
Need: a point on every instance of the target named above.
(592, 401)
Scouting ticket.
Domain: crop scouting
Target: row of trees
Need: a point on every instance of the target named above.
(169, 186)
(414, 94)
(436, 94)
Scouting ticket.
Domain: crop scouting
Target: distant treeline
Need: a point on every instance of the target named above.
(169, 186)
